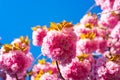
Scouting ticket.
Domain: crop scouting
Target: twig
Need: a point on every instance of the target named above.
(16, 77)
(35, 60)
(59, 70)
(94, 5)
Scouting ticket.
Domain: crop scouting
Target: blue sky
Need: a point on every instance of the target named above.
(18, 16)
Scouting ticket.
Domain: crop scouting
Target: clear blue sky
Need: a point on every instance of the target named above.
(18, 16)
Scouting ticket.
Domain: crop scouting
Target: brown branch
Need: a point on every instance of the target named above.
(16, 77)
(59, 70)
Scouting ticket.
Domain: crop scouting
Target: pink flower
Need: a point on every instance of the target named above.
(86, 46)
(45, 71)
(90, 39)
(109, 19)
(98, 69)
(89, 20)
(101, 44)
(20, 77)
(76, 70)
(45, 67)
(105, 4)
(94, 72)
(102, 73)
(116, 31)
(113, 67)
(80, 28)
(101, 61)
(117, 6)
(15, 62)
(111, 70)
(114, 46)
(48, 76)
(101, 31)
(105, 69)
(38, 35)
(21, 43)
(59, 46)
(15, 58)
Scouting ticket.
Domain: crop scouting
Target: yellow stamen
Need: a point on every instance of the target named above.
(25, 40)
(53, 26)
(7, 47)
(89, 25)
(35, 28)
(65, 24)
(42, 61)
(83, 36)
(60, 26)
(29, 73)
(16, 46)
(41, 72)
(54, 62)
(90, 35)
(113, 13)
(114, 57)
(82, 57)
(44, 27)
(89, 14)
(50, 71)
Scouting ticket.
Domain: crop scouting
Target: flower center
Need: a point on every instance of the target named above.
(60, 26)
(42, 61)
(82, 57)
(90, 35)
(114, 57)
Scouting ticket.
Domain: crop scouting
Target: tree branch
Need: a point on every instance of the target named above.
(16, 77)
(59, 70)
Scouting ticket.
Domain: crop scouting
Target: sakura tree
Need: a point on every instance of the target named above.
(72, 49)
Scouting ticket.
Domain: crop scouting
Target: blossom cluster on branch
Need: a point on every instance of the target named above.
(72, 49)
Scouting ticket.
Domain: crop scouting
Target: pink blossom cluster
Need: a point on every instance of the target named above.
(91, 36)
(38, 34)
(115, 32)
(110, 13)
(73, 45)
(109, 4)
(109, 19)
(45, 71)
(59, 46)
(79, 68)
(105, 69)
(72, 49)
(105, 4)
(59, 42)
(15, 59)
